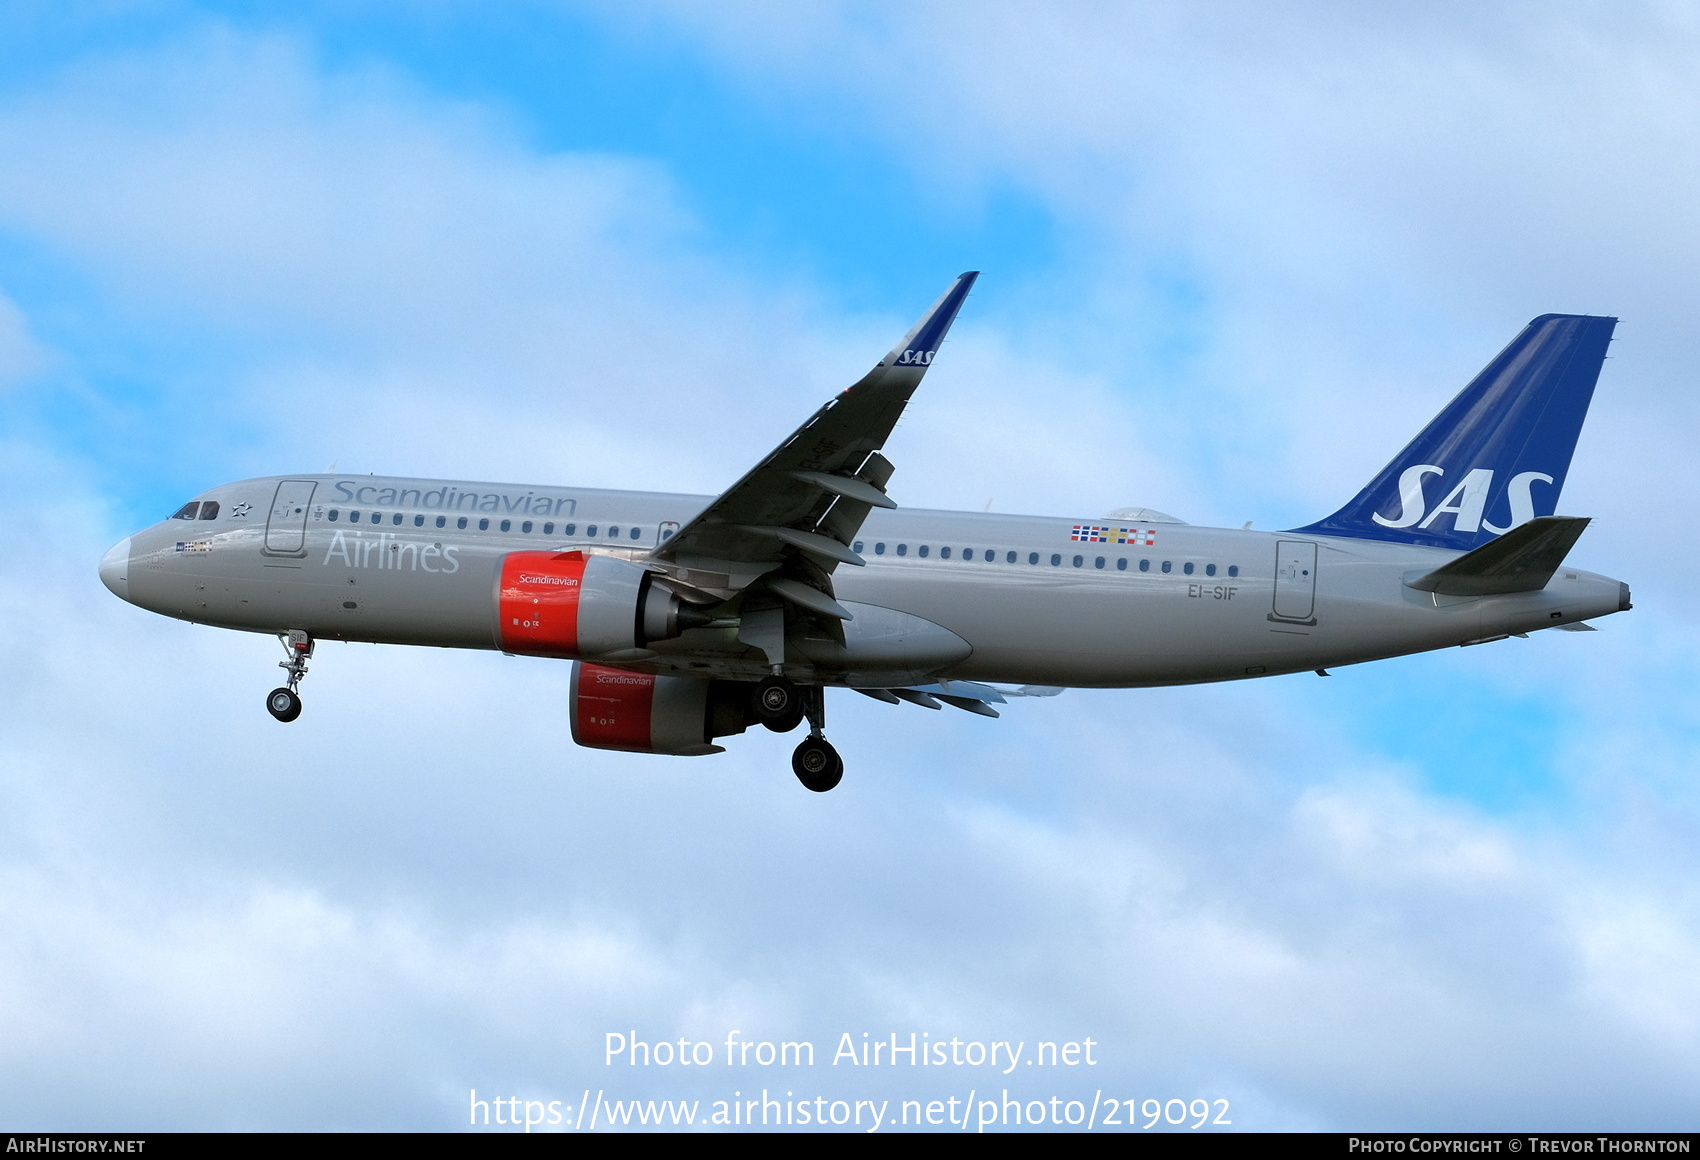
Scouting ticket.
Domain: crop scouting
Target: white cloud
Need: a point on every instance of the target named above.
(1368, 204)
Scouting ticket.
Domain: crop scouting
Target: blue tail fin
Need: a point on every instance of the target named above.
(1496, 457)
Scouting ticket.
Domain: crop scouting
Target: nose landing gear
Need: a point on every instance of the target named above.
(285, 703)
(815, 762)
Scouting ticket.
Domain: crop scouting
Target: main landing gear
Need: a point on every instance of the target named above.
(815, 762)
(285, 703)
(778, 703)
(781, 704)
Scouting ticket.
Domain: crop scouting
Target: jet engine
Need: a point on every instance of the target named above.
(644, 713)
(568, 604)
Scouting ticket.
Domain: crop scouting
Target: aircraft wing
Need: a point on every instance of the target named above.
(792, 517)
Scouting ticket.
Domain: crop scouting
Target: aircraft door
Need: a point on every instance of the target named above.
(286, 525)
(1295, 581)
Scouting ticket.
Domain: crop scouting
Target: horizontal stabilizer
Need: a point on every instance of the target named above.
(1522, 560)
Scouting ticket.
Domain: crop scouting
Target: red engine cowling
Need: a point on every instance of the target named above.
(644, 713)
(568, 604)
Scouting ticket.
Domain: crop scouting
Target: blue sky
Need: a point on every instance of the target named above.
(1232, 261)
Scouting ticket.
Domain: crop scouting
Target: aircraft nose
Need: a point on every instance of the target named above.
(115, 569)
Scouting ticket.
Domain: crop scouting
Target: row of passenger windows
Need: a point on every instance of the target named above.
(206, 509)
(990, 555)
(526, 527)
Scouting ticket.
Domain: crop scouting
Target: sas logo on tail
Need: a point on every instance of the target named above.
(1465, 502)
(916, 358)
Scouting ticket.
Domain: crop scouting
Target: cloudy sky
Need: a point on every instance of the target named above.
(1234, 256)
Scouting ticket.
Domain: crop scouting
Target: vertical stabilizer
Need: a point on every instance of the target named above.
(1496, 457)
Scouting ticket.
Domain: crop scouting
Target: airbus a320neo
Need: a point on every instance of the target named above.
(689, 618)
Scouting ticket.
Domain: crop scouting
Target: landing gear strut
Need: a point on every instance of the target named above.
(815, 762)
(285, 703)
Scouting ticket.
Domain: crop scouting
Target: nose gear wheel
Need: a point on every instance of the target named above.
(284, 703)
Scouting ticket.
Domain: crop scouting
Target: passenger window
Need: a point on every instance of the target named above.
(1121, 563)
(507, 525)
(879, 549)
(188, 510)
(484, 525)
(570, 530)
(922, 551)
(418, 521)
(461, 523)
(442, 521)
(549, 529)
(1167, 566)
(1079, 560)
(613, 532)
(1145, 565)
(526, 527)
(903, 549)
(944, 553)
(856, 547)
(396, 519)
(1187, 567)
(968, 553)
(591, 530)
(1233, 569)
(990, 555)
(377, 517)
(209, 510)
(1210, 569)
(1056, 560)
(1032, 557)
(331, 515)
(1098, 563)
(1009, 557)
(636, 533)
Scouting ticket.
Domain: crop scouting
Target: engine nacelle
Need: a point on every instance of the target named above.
(644, 713)
(568, 604)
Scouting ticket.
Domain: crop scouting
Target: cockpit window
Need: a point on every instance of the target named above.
(209, 510)
(188, 510)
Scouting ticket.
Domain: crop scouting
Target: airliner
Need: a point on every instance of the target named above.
(691, 618)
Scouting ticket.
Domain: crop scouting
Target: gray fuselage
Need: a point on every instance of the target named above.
(953, 595)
